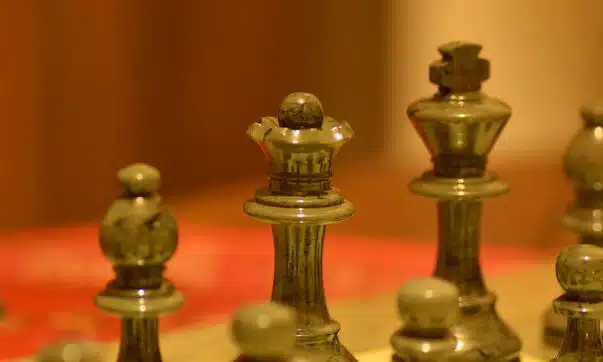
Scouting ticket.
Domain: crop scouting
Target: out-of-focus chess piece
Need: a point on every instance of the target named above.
(139, 235)
(265, 332)
(69, 351)
(459, 126)
(579, 271)
(300, 202)
(583, 165)
(429, 309)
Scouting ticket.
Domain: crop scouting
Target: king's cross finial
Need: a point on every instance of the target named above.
(460, 69)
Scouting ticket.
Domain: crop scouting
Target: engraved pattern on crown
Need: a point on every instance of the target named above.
(300, 145)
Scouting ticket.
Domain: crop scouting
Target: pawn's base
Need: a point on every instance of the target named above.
(385, 354)
(554, 326)
(331, 350)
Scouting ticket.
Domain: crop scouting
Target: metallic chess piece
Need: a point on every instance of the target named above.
(139, 235)
(68, 351)
(459, 125)
(265, 332)
(579, 271)
(429, 309)
(583, 164)
(299, 202)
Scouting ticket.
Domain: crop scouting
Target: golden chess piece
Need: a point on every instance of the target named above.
(68, 351)
(459, 126)
(579, 271)
(583, 163)
(139, 235)
(300, 202)
(428, 308)
(264, 333)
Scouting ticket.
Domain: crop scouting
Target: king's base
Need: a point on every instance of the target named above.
(331, 351)
(483, 336)
(385, 355)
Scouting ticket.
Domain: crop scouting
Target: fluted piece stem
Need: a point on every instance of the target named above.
(298, 277)
(140, 340)
(458, 249)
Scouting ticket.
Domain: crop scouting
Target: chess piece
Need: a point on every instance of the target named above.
(264, 332)
(459, 125)
(299, 202)
(68, 351)
(139, 235)
(579, 271)
(583, 164)
(429, 309)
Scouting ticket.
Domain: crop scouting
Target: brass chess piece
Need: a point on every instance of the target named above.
(459, 125)
(68, 351)
(139, 235)
(429, 309)
(583, 164)
(299, 202)
(579, 269)
(264, 333)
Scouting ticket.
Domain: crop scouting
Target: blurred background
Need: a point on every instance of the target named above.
(90, 86)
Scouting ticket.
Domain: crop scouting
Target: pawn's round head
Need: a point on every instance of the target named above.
(300, 111)
(68, 352)
(428, 304)
(579, 270)
(582, 161)
(139, 179)
(265, 330)
(592, 114)
(138, 229)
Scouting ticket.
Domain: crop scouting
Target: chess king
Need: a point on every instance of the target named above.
(299, 202)
(459, 125)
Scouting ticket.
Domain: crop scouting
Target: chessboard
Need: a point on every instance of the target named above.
(50, 276)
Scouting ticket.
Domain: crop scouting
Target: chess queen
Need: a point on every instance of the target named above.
(299, 202)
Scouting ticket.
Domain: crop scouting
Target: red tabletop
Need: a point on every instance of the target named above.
(49, 277)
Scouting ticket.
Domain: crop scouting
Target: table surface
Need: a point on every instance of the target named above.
(52, 273)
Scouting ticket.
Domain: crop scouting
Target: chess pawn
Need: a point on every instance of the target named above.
(139, 235)
(265, 332)
(583, 164)
(459, 126)
(579, 271)
(299, 202)
(429, 309)
(68, 351)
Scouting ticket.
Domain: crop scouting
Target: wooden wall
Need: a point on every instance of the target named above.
(89, 86)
